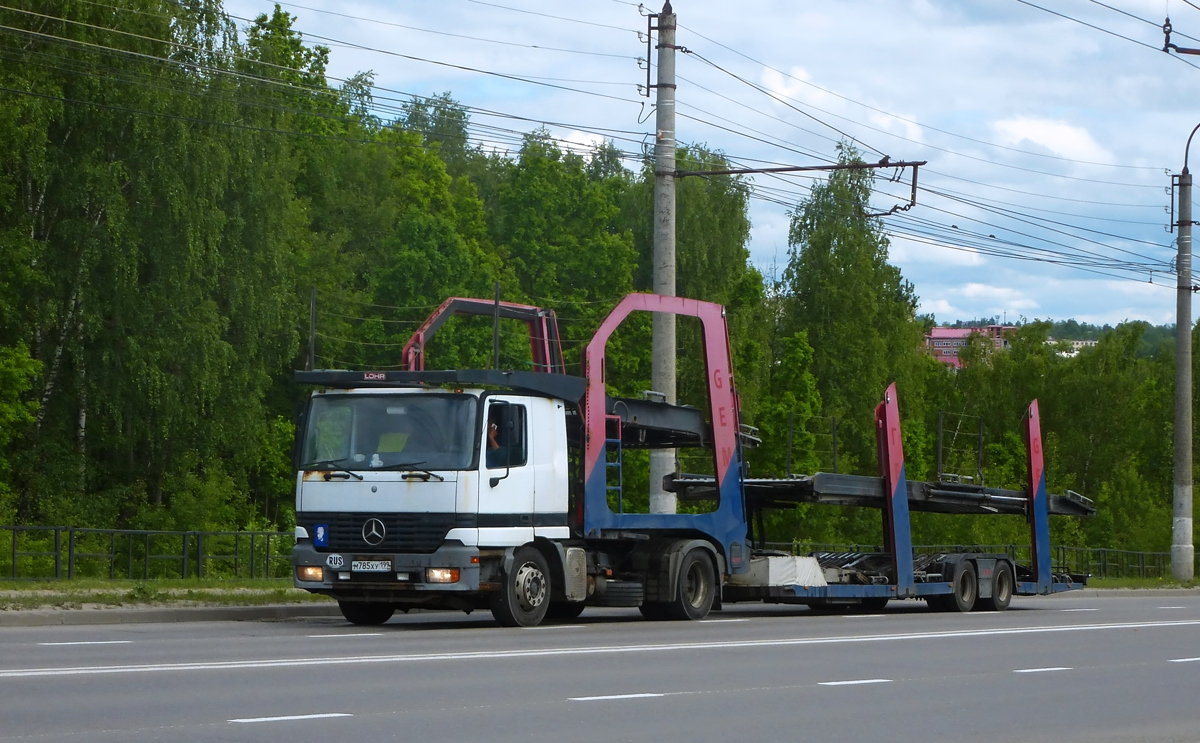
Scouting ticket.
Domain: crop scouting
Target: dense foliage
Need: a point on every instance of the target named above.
(171, 187)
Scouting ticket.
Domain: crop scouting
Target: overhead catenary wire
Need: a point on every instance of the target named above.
(1104, 30)
(361, 47)
(783, 99)
(454, 35)
(633, 135)
(1139, 18)
(907, 119)
(259, 79)
(556, 17)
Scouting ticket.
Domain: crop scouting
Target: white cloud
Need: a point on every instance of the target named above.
(941, 309)
(1001, 298)
(794, 87)
(581, 143)
(904, 252)
(1061, 138)
(897, 125)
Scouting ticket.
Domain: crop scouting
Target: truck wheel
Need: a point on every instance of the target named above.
(697, 588)
(1002, 589)
(361, 612)
(966, 588)
(564, 610)
(525, 596)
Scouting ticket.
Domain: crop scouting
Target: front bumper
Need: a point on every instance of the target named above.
(406, 577)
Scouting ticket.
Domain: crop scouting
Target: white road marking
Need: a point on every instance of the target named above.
(292, 717)
(87, 642)
(1172, 607)
(854, 683)
(862, 616)
(1041, 670)
(557, 626)
(350, 634)
(722, 621)
(583, 650)
(1183, 660)
(1079, 610)
(614, 696)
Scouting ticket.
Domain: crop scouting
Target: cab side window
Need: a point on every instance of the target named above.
(506, 437)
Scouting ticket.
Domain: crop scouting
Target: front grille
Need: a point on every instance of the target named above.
(406, 532)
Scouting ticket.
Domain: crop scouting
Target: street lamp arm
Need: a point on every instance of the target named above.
(1187, 148)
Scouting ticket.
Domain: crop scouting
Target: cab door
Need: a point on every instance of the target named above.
(507, 487)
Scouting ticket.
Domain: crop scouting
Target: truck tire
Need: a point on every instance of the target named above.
(524, 598)
(564, 611)
(1002, 589)
(964, 590)
(361, 612)
(696, 588)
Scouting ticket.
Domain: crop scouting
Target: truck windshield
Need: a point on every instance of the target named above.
(422, 431)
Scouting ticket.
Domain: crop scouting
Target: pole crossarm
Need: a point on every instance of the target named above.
(884, 163)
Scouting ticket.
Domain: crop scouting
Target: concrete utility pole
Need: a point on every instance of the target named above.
(662, 370)
(1182, 550)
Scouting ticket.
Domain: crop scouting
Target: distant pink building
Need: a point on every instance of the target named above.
(944, 343)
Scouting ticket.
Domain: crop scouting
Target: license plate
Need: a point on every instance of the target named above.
(371, 566)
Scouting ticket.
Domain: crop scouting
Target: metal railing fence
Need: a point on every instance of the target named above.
(1097, 562)
(58, 552)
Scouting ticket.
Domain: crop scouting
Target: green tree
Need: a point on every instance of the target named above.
(857, 310)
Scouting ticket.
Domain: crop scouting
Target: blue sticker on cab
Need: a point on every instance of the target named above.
(321, 535)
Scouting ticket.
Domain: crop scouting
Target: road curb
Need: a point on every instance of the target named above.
(162, 614)
(1133, 592)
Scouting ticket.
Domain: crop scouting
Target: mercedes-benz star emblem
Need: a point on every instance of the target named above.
(373, 532)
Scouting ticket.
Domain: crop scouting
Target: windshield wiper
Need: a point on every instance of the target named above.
(414, 469)
(333, 465)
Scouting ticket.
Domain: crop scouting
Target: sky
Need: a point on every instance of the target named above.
(1050, 143)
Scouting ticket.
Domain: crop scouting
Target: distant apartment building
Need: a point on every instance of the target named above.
(1076, 346)
(944, 343)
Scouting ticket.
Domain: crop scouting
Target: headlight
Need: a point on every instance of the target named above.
(441, 575)
(311, 573)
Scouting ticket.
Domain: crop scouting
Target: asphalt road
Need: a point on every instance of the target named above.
(1068, 668)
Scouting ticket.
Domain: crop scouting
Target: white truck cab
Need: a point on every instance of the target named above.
(402, 492)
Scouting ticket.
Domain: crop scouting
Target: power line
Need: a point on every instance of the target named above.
(778, 96)
(262, 80)
(465, 68)
(751, 108)
(457, 36)
(1103, 30)
(1080, 257)
(555, 17)
(781, 99)
(908, 120)
(1041, 195)
(1139, 18)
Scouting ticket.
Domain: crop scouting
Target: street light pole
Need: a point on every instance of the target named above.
(1183, 550)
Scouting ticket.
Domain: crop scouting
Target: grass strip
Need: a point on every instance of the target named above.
(97, 593)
